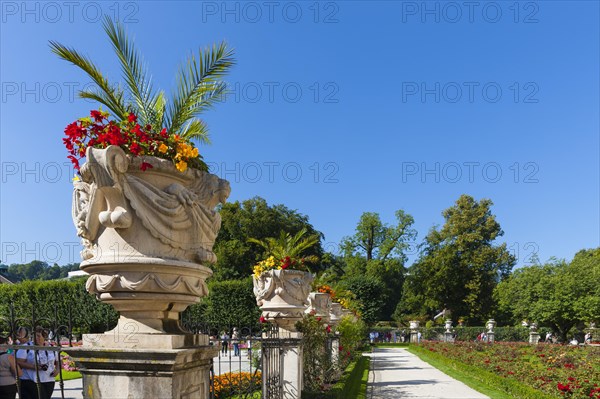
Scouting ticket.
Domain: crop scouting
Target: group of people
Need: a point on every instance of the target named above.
(23, 368)
(234, 339)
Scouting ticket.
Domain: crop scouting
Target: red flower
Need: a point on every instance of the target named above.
(328, 329)
(163, 133)
(132, 118)
(74, 161)
(135, 148)
(286, 262)
(145, 165)
(97, 115)
(262, 319)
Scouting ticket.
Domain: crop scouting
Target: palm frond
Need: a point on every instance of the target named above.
(196, 129)
(136, 77)
(198, 86)
(288, 245)
(158, 105)
(96, 95)
(112, 96)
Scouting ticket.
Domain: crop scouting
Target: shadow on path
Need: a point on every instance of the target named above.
(396, 373)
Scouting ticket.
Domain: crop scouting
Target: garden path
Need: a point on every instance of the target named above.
(396, 373)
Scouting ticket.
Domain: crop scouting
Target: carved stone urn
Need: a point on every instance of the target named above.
(448, 325)
(491, 324)
(147, 235)
(282, 296)
(319, 303)
(335, 315)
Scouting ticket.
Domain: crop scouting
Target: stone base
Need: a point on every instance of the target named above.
(490, 337)
(164, 372)
(282, 361)
(448, 337)
(534, 338)
(119, 339)
(414, 337)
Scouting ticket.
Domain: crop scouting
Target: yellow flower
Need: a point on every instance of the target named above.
(162, 148)
(181, 166)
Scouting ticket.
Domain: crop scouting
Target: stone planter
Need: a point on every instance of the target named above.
(335, 314)
(282, 296)
(319, 303)
(448, 325)
(491, 324)
(413, 325)
(147, 236)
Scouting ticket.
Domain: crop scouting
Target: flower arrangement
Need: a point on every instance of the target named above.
(342, 297)
(234, 383)
(148, 122)
(286, 251)
(325, 289)
(98, 131)
(278, 264)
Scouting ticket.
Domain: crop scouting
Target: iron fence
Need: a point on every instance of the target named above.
(17, 340)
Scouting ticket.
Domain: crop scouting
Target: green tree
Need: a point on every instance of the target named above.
(367, 291)
(375, 240)
(377, 250)
(254, 218)
(38, 270)
(557, 294)
(459, 265)
(199, 85)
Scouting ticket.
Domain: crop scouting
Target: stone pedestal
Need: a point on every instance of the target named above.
(414, 332)
(448, 336)
(534, 338)
(123, 366)
(282, 365)
(335, 351)
(490, 337)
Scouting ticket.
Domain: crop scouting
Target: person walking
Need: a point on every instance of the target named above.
(224, 343)
(9, 373)
(235, 339)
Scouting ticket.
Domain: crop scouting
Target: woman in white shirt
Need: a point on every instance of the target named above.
(47, 368)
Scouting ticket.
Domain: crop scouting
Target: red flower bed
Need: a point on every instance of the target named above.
(561, 371)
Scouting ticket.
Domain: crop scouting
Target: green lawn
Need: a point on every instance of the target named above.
(69, 375)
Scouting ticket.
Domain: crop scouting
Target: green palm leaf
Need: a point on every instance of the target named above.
(110, 96)
(288, 245)
(135, 74)
(198, 87)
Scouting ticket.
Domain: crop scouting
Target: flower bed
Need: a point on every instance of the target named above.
(557, 370)
(229, 384)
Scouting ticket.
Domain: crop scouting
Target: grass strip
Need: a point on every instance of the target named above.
(392, 345)
(486, 382)
(69, 375)
(353, 384)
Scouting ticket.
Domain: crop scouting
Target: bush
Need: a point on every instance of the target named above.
(229, 303)
(353, 334)
(62, 302)
(317, 368)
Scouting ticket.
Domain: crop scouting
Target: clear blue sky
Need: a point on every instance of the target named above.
(338, 108)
